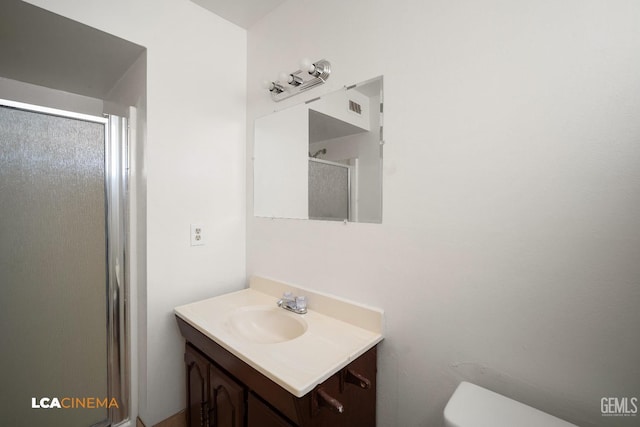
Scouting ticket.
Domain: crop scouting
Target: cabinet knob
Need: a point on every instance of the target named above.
(353, 377)
(325, 399)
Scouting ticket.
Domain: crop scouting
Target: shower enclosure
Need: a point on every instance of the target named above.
(330, 191)
(63, 318)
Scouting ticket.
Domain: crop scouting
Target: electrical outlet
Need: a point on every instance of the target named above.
(197, 235)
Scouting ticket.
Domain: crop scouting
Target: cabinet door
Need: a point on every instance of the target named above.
(260, 415)
(360, 397)
(226, 400)
(197, 373)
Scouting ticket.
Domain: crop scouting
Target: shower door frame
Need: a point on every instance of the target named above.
(116, 170)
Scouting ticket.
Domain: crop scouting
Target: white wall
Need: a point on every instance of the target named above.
(194, 166)
(508, 253)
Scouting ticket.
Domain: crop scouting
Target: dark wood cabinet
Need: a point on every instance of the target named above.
(224, 391)
(213, 398)
(197, 377)
(261, 415)
(226, 397)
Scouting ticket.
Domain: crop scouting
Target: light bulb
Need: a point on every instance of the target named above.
(307, 66)
(266, 84)
(285, 78)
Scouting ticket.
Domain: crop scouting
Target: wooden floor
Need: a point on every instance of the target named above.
(177, 420)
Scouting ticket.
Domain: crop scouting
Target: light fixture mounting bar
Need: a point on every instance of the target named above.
(305, 79)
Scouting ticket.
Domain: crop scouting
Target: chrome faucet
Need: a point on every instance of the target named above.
(296, 304)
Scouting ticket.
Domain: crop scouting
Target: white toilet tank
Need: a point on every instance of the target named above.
(474, 406)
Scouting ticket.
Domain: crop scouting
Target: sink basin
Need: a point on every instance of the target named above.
(266, 325)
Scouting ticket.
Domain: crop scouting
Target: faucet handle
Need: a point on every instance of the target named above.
(296, 304)
(301, 303)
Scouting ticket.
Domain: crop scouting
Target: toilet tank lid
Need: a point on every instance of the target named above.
(474, 406)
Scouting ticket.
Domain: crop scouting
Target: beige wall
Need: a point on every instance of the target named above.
(508, 254)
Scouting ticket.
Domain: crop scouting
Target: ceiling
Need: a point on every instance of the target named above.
(45, 49)
(243, 13)
(323, 127)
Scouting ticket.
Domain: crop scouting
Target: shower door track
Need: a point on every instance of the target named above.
(117, 290)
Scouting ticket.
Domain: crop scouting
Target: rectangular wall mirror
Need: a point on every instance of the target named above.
(322, 159)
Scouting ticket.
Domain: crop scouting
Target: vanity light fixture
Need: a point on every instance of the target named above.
(310, 74)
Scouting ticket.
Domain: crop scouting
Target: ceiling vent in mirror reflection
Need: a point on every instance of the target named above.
(322, 160)
(355, 107)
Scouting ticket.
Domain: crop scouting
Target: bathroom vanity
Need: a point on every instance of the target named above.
(251, 363)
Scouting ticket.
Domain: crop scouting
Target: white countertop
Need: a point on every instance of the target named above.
(338, 332)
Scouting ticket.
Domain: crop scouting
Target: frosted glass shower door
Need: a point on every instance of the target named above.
(329, 190)
(53, 268)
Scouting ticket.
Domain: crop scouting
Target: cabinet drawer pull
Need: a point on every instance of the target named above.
(356, 378)
(325, 399)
